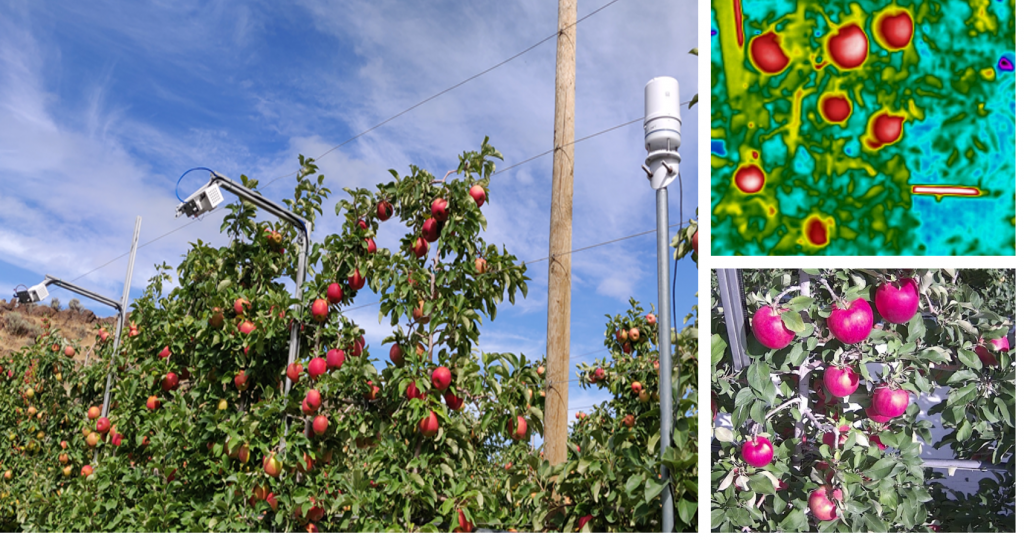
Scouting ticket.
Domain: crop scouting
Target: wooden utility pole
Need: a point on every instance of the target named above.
(556, 402)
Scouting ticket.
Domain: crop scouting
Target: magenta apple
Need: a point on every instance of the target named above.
(758, 452)
(889, 402)
(853, 324)
(841, 381)
(822, 502)
(769, 329)
(897, 304)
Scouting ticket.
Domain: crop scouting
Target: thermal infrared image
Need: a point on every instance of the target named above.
(863, 128)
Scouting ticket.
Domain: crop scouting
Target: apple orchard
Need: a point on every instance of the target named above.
(437, 440)
(829, 427)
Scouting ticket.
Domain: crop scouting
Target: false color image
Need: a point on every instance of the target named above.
(863, 127)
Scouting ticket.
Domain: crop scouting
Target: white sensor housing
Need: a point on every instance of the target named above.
(32, 295)
(662, 126)
(205, 199)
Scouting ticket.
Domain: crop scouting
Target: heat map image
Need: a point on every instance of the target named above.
(863, 127)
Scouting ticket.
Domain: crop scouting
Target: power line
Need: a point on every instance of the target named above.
(453, 87)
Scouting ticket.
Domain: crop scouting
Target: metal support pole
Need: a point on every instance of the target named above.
(121, 314)
(665, 358)
(293, 346)
(735, 315)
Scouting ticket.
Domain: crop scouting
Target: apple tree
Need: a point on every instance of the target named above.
(829, 420)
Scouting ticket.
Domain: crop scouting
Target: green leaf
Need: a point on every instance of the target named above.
(718, 346)
(969, 358)
(796, 520)
(634, 482)
(759, 378)
(793, 321)
(799, 303)
(652, 489)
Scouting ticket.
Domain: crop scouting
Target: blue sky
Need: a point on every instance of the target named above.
(103, 106)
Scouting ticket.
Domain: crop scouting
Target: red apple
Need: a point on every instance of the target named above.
(313, 399)
(636, 387)
(634, 334)
(836, 108)
(769, 329)
(896, 30)
(165, 352)
(829, 437)
(652, 319)
(69, 351)
(241, 380)
(94, 412)
(335, 359)
(439, 210)
(384, 210)
(465, 525)
(873, 415)
(294, 371)
(897, 304)
(820, 501)
(320, 424)
(87, 470)
(241, 305)
(598, 375)
(411, 392)
(356, 281)
(480, 265)
(629, 420)
(420, 247)
(748, 179)
(453, 401)
(878, 441)
(362, 224)
(371, 246)
(317, 367)
(757, 453)
(170, 382)
(272, 466)
(334, 293)
(851, 325)
(429, 425)
(103, 424)
(246, 327)
(841, 382)
(478, 194)
(153, 403)
(517, 428)
(320, 310)
(431, 230)
(889, 402)
(441, 378)
(695, 250)
(396, 355)
(1001, 344)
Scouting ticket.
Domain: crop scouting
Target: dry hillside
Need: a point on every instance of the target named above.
(20, 324)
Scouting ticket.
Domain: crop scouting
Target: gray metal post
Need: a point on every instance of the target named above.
(735, 315)
(293, 346)
(121, 313)
(665, 357)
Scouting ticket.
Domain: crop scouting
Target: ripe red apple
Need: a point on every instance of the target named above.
(878, 441)
(767, 55)
(431, 230)
(453, 401)
(889, 402)
(217, 319)
(396, 355)
(371, 246)
(94, 412)
(306, 409)
(294, 371)
(821, 505)
(873, 415)
(103, 424)
(897, 304)
(313, 399)
(1001, 344)
(439, 210)
(769, 329)
(241, 380)
(272, 501)
(362, 224)
(695, 242)
(420, 247)
(885, 129)
(851, 325)
(92, 439)
(598, 375)
(629, 420)
(246, 327)
(69, 351)
(848, 47)
(429, 425)
(373, 393)
(320, 310)
(412, 392)
(153, 403)
(583, 521)
(829, 437)
(241, 304)
(441, 378)
(636, 387)
(757, 453)
(317, 367)
(517, 428)
(841, 382)
(334, 293)
(272, 465)
(384, 210)
(465, 525)
(478, 194)
(540, 370)
(652, 319)
(356, 350)
(86, 471)
(356, 281)
(634, 334)
(320, 424)
(165, 352)
(480, 265)
(63, 458)
(335, 359)
(170, 382)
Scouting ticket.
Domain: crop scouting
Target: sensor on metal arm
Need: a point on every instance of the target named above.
(205, 199)
(662, 125)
